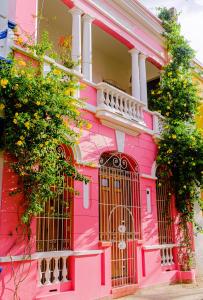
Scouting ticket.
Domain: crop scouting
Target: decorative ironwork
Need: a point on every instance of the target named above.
(118, 161)
(120, 214)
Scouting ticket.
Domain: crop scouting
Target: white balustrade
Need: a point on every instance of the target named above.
(158, 123)
(118, 102)
(52, 269)
(166, 252)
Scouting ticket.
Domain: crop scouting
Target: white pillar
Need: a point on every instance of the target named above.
(143, 78)
(76, 36)
(3, 26)
(87, 48)
(135, 80)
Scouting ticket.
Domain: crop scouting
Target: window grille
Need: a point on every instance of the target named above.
(54, 223)
(164, 206)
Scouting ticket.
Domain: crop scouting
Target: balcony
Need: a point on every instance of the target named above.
(117, 109)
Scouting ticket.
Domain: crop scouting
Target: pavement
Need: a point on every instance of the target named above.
(172, 292)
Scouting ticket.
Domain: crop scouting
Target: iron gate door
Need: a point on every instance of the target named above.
(120, 214)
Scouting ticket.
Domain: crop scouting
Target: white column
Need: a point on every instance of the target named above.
(3, 26)
(76, 36)
(87, 48)
(143, 78)
(135, 80)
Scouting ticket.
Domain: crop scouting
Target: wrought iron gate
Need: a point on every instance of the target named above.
(120, 214)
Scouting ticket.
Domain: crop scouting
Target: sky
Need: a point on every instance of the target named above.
(191, 19)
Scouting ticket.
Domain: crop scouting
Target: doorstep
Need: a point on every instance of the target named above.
(124, 290)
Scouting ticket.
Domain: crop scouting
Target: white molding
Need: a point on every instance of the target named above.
(120, 140)
(86, 195)
(90, 107)
(156, 247)
(77, 153)
(115, 121)
(41, 255)
(1, 175)
(153, 169)
(147, 176)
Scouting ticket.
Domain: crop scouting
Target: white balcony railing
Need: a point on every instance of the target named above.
(158, 123)
(166, 252)
(52, 268)
(118, 110)
(119, 102)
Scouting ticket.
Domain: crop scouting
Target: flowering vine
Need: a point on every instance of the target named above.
(181, 144)
(40, 112)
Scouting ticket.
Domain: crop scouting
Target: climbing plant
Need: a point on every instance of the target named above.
(40, 113)
(181, 143)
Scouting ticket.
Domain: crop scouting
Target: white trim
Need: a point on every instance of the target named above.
(153, 169)
(155, 247)
(120, 140)
(147, 176)
(86, 195)
(91, 108)
(41, 255)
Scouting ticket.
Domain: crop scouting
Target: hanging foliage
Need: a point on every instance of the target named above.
(40, 113)
(181, 144)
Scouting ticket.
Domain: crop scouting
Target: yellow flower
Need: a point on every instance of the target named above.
(169, 151)
(22, 138)
(174, 136)
(22, 63)
(15, 121)
(58, 115)
(19, 143)
(168, 107)
(38, 103)
(56, 72)
(89, 126)
(27, 124)
(2, 106)
(152, 92)
(4, 83)
(169, 74)
(16, 114)
(19, 40)
(46, 143)
(69, 91)
(41, 145)
(167, 114)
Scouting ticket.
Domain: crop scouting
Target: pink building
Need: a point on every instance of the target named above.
(115, 236)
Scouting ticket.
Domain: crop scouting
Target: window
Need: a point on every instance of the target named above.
(54, 223)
